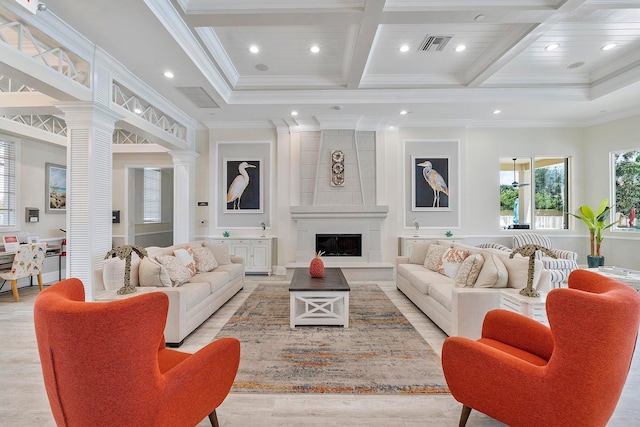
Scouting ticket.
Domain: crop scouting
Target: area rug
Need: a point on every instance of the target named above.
(380, 352)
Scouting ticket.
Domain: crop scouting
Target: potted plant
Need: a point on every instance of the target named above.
(596, 222)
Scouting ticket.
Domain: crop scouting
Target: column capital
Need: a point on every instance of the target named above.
(184, 156)
(83, 112)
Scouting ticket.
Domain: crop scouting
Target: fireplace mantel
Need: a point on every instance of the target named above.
(343, 211)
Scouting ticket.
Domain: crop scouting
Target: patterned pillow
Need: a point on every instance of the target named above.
(205, 261)
(434, 256)
(185, 255)
(451, 261)
(178, 272)
(469, 271)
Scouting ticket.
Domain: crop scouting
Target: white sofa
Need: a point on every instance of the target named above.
(190, 303)
(459, 308)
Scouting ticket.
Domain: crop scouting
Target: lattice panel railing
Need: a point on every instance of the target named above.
(19, 36)
(131, 102)
(48, 123)
(121, 136)
(8, 85)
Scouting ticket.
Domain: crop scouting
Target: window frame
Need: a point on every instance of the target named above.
(146, 196)
(15, 226)
(615, 213)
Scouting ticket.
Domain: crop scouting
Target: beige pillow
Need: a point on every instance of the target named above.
(493, 273)
(152, 273)
(518, 269)
(113, 272)
(451, 261)
(185, 256)
(178, 272)
(418, 253)
(434, 255)
(205, 261)
(469, 271)
(220, 252)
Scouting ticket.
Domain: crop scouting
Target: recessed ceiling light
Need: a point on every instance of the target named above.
(497, 111)
(315, 49)
(609, 46)
(168, 74)
(404, 48)
(294, 113)
(137, 111)
(460, 48)
(254, 49)
(575, 65)
(480, 18)
(552, 46)
(391, 128)
(403, 112)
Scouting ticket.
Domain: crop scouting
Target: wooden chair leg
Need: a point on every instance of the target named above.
(464, 416)
(40, 282)
(214, 419)
(14, 290)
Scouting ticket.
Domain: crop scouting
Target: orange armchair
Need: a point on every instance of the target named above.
(106, 363)
(523, 373)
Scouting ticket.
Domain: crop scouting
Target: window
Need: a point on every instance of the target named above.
(152, 195)
(8, 174)
(546, 190)
(626, 202)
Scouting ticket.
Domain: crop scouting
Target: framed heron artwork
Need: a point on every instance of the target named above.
(430, 183)
(243, 184)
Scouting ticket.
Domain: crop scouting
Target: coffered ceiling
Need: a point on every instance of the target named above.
(360, 74)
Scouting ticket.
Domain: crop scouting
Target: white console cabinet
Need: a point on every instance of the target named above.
(405, 243)
(259, 253)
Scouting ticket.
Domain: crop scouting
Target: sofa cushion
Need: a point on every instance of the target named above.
(185, 256)
(434, 255)
(205, 261)
(423, 279)
(152, 273)
(405, 270)
(195, 293)
(113, 272)
(215, 279)
(220, 252)
(234, 270)
(469, 271)
(418, 253)
(441, 292)
(451, 261)
(493, 273)
(177, 271)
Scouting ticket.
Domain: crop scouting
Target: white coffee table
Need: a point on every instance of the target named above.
(319, 301)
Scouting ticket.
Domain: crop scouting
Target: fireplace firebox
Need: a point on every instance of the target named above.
(339, 245)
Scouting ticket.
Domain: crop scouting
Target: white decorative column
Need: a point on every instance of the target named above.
(90, 129)
(184, 195)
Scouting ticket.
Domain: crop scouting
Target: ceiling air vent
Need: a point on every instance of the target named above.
(198, 96)
(434, 43)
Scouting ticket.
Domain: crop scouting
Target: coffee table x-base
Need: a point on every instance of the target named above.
(319, 301)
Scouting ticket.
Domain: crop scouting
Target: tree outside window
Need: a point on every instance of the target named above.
(626, 205)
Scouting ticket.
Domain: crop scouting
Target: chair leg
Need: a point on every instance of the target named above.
(14, 290)
(40, 282)
(464, 416)
(214, 419)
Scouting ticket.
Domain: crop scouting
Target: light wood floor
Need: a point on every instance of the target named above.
(23, 401)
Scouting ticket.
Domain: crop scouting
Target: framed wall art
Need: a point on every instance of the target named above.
(55, 188)
(430, 189)
(243, 185)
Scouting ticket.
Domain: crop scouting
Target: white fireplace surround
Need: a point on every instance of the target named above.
(364, 220)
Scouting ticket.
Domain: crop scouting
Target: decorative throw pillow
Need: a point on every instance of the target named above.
(493, 273)
(418, 253)
(178, 272)
(113, 272)
(185, 255)
(152, 273)
(469, 271)
(434, 255)
(220, 252)
(205, 261)
(451, 261)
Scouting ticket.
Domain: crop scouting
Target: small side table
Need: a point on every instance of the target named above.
(533, 307)
(112, 295)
